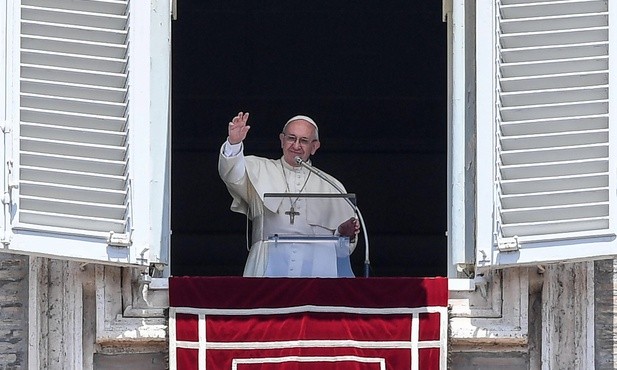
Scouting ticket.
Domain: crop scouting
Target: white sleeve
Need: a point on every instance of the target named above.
(231, 150)
(232, 167)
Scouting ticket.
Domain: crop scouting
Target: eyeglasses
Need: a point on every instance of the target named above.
(291, 139)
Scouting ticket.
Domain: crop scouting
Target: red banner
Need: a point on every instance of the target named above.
(297, 324)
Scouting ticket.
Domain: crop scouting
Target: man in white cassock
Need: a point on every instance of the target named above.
(248, 178)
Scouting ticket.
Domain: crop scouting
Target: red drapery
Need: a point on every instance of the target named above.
(297, 324)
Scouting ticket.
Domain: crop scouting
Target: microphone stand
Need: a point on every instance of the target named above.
(367, 263)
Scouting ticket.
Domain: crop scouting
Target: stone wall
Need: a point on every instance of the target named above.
(555, 289)
(571, 322)
(605, 314)
(13, 311)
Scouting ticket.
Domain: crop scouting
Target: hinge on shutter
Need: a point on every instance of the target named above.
(10, 181)
(174, 9)
(9, 185)
(6, 205)
(446, 8)
(119, 239)
(508, 244)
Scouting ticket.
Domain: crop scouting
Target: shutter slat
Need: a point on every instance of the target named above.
(553, 213)
(555, 198)
(555, 139)
(84, 209)
(71, 119)
(60, 45)
(555, 227)
(564, 153)
(67, 60)
(88, 136)
(71, 90)
(80, 149)
(555, 125)
(556, 183)
(73, 178)
(543, 9)
(543, 111)
(532, 2)
(73, 193)
(526, 54)
(554, 66)
(99, 6)
(70, 75)
(63, 31)
(71, 163)
(555, 81)
(554, 96)
(552, 169)
(74, 17)
(66, 221)
(535, 24)
(85, 106)
(548, 38)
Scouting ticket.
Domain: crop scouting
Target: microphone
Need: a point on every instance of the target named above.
(317, 172)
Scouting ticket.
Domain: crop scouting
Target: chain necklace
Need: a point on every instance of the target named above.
(292, 213)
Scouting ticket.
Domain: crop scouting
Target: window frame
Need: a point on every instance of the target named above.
(529, 250)
(149, 149)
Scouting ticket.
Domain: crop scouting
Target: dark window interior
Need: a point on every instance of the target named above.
(373, 76)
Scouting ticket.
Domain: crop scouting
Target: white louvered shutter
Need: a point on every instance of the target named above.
(552, 184)
(73, 126)
(75, 169)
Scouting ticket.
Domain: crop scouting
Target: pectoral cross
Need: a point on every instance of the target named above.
(292, 214)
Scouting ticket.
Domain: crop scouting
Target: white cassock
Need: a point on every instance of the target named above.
(249, 178)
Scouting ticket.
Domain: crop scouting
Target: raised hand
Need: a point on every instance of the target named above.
(238, 128)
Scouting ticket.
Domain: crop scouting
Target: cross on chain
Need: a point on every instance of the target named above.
(292, 214)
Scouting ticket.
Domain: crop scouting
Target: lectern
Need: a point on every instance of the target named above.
(294, 251)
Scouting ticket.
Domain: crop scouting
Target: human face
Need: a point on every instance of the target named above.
(298, 140)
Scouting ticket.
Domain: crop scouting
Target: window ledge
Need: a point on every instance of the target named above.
(461, 285)
(159, 284)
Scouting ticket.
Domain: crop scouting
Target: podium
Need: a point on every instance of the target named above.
(303, 256)
(295, 250)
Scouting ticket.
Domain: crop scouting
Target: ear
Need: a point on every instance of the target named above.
(314, 146)
(282, 137)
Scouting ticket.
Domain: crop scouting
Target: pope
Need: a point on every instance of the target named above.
(248, 178)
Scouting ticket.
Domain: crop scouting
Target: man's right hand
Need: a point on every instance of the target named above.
(238, 129)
